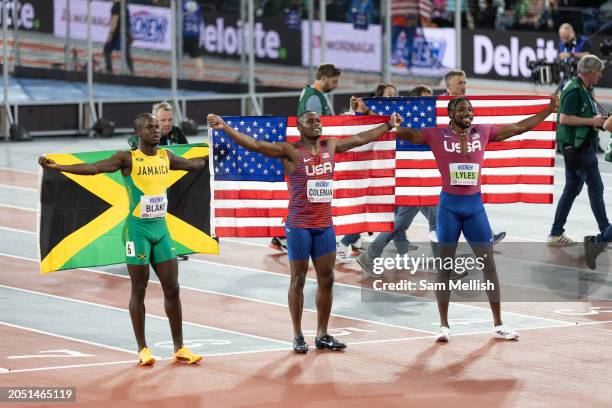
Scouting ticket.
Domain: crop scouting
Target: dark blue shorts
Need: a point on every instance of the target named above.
(305, 243)
(463, 213)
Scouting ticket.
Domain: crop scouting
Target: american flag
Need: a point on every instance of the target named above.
(520, 169)
(250, 192)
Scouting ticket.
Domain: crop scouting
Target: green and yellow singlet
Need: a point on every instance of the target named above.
(147, 184)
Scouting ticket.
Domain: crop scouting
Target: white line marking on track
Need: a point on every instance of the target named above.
(18, 230)
(18, 170)
(19, 187)
(16, 207)
(92, 343)
(147, 314)
(569, 324)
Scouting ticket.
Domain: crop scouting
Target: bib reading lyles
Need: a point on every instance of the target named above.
(320, 191)
(153, 206)
(464, 174)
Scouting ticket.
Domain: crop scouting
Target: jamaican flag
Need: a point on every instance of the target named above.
(81, 217)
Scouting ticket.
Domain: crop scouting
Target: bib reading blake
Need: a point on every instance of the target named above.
(153, 206)
(464, 174)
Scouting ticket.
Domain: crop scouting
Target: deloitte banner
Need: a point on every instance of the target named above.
(151, 26)
(506, 55)
(221, 35)
(32, 15)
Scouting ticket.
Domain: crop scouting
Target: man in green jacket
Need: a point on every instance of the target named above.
(313, 96)
(577, 127)
(170, 134)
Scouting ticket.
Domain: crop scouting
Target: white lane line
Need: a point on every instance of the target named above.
(135, 361)
(2, 185)
(18, 230)
(147, 314)
(18, 170)
(17, 207)
(283, 305)
(356, 343)
(569, 324)
(91, 343)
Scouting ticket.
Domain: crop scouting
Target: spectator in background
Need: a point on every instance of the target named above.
(350, 241)
(455, 82)
(361, 13)
(192, 21)
(113, 39)
(170, 134)
(487, 18)
(440, 16)
(577, 130)
(452, 5)
(572, 47)
(313, 96)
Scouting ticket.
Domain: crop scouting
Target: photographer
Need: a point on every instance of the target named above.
(577, 130)
(571, 49)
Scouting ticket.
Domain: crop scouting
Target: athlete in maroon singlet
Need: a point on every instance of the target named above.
(309, 167)
(459, 153)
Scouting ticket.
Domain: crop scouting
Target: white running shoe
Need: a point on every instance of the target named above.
(443, 335)
(503, 332)
(342, 254)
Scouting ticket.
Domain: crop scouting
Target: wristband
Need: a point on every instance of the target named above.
(389, 126)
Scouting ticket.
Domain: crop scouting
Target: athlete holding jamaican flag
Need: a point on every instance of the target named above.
(146, 173)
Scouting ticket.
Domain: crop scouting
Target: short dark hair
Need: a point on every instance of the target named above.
(328, 70)
(453, 73)
(380, 89)
(139, 119)
(419, 89)
(300, 118)
(452, 104)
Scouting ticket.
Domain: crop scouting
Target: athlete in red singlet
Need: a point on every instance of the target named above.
(309, 166)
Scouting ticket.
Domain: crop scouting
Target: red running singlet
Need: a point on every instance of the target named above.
(311, 189)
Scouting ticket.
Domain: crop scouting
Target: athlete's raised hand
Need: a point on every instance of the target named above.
(395, 120)
(554, 103)
(47, 163)
(215, 121)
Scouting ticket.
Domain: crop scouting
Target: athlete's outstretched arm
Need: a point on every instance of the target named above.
(412, 135)
(181, 163)
(278, 149)
(110, 165)
(342, 145)
(524, 125)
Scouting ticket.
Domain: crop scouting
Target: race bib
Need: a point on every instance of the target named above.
(464, 174)
(153, 206)
(320, 191)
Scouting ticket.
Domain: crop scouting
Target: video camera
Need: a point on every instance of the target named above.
(546, 73)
